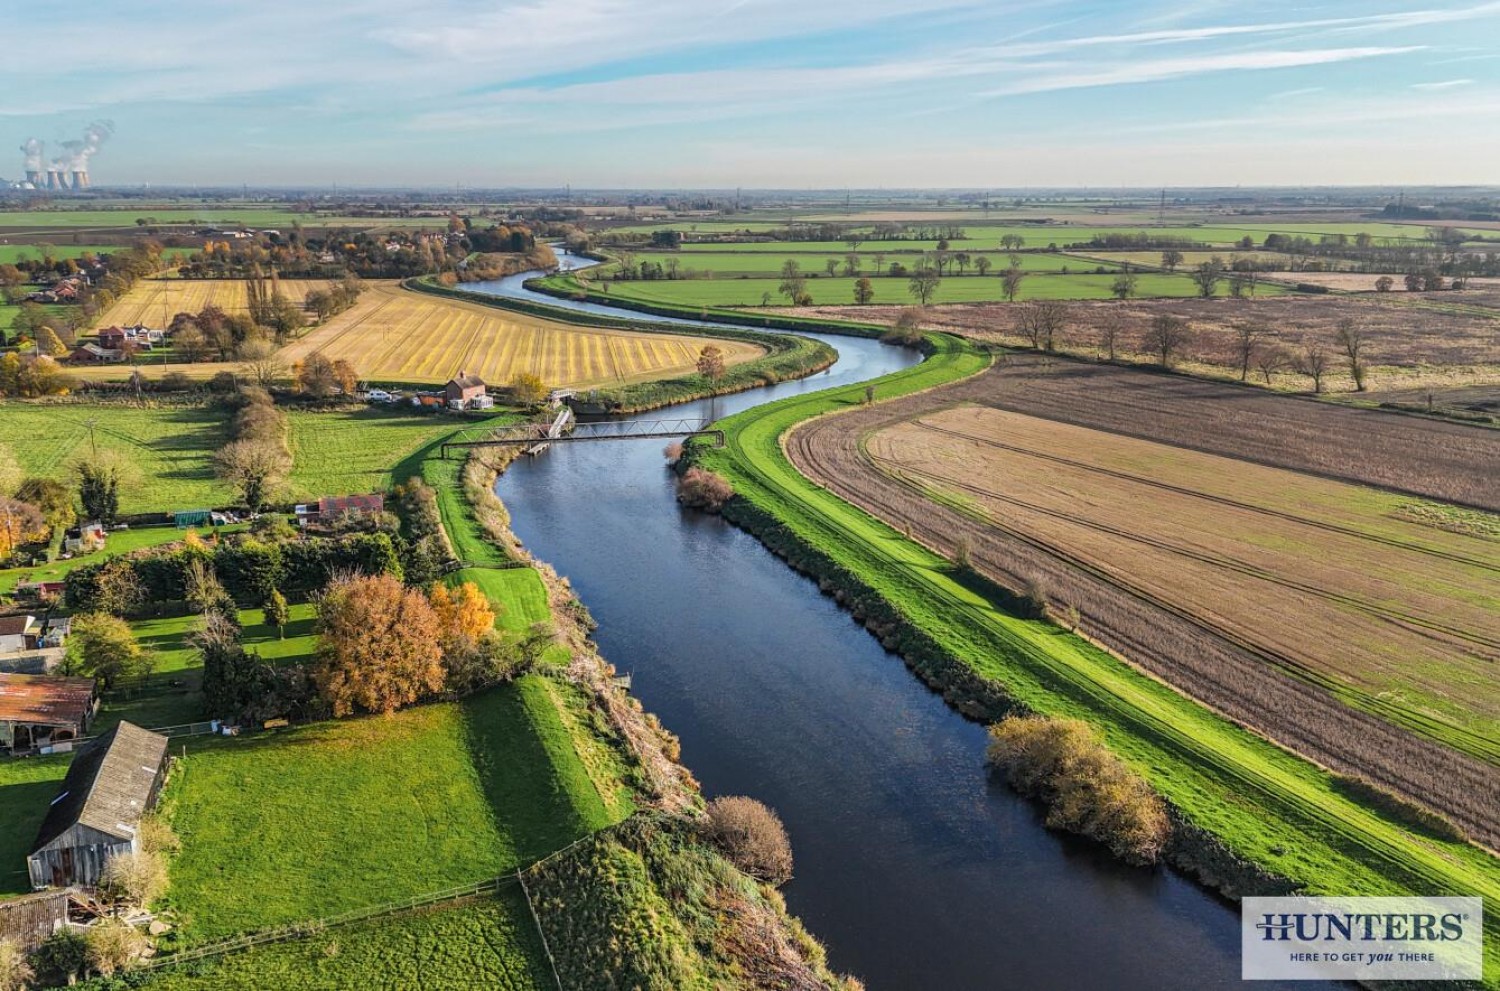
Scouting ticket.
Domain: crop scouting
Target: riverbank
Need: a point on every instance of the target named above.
(677, 914)
(1252, 818)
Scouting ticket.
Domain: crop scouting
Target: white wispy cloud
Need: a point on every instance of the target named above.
(1444, 84)
(1154, 70)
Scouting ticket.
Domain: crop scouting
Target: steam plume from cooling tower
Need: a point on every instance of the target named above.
(33, 150)
(70, 169)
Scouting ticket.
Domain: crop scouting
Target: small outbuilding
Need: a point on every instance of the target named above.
(18, 633)
(39, 710)
(97, 815)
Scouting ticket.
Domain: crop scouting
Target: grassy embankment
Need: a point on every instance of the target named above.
(1264, 805)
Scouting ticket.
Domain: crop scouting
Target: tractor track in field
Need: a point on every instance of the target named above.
(1436, 631)
(1490, 565)
(1327, 721)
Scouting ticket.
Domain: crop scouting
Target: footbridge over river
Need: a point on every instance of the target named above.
(538, 435)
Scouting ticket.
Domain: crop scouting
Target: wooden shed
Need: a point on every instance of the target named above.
(98, 812)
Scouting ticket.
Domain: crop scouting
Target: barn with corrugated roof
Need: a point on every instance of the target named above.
(97, 815)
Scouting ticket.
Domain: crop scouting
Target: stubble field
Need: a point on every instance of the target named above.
(154, 302)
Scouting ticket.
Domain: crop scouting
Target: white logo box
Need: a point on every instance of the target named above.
(1370, 939)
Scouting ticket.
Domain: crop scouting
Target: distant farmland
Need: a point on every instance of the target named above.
(394, 335)
(1322, 614)
(895, 291)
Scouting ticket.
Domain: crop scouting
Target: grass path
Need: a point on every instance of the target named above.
(1264, 803)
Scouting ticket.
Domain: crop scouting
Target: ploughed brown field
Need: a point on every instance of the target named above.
(1342, 621)
(1411, 339)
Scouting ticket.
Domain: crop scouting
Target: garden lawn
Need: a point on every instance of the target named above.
(1265, 804)
(172, 695)
(485, 943)
(320, 819)
(27, 787)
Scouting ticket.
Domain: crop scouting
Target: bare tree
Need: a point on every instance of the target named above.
(1351, 340)
(1208, 275)
(851, 265)
(1314, 364)
(1040, 322)
(1012, 278)
(1270, 360)
(1110, 329)
(1170, 259)
(982, 264)
(1166, 337)
(923, 284)
(1247, 338)
(831, 266)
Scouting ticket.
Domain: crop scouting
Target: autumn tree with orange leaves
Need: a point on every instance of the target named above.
(379, 645)
(463, 615)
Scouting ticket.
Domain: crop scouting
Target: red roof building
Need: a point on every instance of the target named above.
(36, 709)
(464, 387)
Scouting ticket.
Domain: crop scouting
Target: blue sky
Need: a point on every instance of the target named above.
(763, 93)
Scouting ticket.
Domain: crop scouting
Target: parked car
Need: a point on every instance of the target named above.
(379, 396)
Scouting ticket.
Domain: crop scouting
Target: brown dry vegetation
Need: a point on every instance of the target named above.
(1409, 341)
(1263, 682)
(1452, 462)
(1319, 573)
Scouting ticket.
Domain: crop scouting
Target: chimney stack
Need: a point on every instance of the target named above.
(55, 179)
(80, 179)
(34, 177)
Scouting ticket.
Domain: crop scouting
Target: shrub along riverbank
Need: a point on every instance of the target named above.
(1249, 817)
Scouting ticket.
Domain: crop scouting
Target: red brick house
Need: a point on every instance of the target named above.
(463, 387)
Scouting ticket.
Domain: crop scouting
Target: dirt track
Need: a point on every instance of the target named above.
(1188, 650)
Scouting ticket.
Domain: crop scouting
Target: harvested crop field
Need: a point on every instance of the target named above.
(1451, 462)
(394, 335)
(1409, 341)
(1325, 574)
(154, 302)
(1302, 607)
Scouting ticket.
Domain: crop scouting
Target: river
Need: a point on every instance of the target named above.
(912, 865)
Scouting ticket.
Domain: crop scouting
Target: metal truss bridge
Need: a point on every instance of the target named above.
(536, 436)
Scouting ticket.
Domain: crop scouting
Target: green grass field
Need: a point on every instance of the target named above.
(172, 448)
(981, 235)
(360, 450)
(27, 788)
(1264, 803)
(126, 216)
(895, 291)
(312, 821)
(486, 943)
(764, 264)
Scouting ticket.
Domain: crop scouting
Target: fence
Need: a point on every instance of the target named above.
(303, 930)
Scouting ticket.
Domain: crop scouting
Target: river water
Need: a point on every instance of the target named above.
(915, 869)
